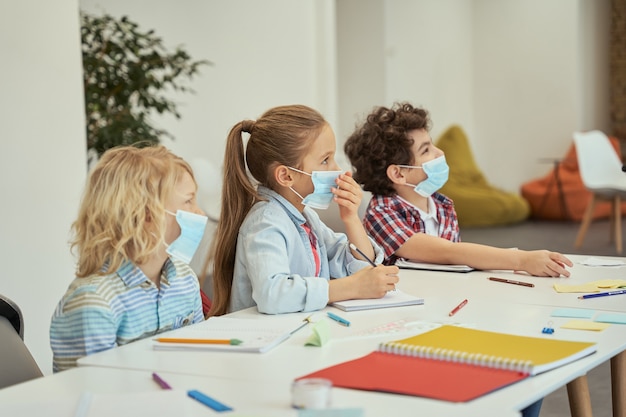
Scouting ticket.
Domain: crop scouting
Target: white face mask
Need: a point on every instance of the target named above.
(323, 181)
(192, 227)
(437, 171)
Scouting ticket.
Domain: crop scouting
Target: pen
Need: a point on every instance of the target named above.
(306, 321)
(160, 381)
(338, 319)
(512, 281)
(354, 248)
(457, 308)
(234, 342)
(603, 294)
(208, 401)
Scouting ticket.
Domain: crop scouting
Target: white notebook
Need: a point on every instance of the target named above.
(395, 298)
(408, 264)
(254, 335)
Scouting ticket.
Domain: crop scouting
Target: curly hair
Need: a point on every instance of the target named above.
(382, 141)
(122, 213)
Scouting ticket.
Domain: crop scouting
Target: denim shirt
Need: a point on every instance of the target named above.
(274, 263)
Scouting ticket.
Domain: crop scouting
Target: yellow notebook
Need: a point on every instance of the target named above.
(531, 355)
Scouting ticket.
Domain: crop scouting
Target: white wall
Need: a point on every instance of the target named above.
(519, 76)
(265, 53)
(42, 163)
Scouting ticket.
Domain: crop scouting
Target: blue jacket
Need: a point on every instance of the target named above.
(274, 263)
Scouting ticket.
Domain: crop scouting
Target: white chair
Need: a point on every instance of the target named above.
(601, 171)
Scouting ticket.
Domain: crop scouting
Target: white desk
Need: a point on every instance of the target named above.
(291, 360)
(443, 286)
(58, 395)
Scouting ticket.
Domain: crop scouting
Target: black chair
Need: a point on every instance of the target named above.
(16, 363)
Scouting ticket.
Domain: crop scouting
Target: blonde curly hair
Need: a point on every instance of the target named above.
(122, 212)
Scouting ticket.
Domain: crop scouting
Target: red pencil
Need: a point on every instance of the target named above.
(457, 308)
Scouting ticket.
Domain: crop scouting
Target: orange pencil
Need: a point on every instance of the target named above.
(200, 341)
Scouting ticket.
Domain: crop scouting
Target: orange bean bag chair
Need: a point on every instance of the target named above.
(543, 195)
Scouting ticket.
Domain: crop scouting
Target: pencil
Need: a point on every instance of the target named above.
(200, 341)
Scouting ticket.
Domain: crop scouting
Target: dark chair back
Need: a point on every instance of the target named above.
(16, 363)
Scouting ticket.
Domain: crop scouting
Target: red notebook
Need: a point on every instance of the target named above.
(421, 377)
(453, 363)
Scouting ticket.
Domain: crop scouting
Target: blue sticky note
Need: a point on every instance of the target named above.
(579, 313)
(617, 318)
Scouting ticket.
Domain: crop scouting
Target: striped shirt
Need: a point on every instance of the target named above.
(100, 312)
(391, 221)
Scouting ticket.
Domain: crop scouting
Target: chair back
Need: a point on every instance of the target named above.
(599, 164)
(16, 363)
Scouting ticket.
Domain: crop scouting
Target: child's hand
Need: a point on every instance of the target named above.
(375, 282)
(348, 195)
(543, 263)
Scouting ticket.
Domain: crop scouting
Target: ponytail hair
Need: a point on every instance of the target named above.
(281, 136)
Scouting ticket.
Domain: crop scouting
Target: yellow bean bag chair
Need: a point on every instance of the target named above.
(477, 203)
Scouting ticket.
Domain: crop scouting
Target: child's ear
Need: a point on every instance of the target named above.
(283, 176)
(395, 174)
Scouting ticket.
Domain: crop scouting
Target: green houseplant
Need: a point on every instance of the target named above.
(127, 74)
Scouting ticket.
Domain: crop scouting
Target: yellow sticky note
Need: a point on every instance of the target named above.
(585, 325)
(594, 286)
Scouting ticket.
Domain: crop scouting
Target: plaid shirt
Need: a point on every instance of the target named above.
(391, 221)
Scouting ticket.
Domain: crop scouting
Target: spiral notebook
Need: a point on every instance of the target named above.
(453, 363)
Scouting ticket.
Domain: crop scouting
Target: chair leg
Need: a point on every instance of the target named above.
(586, 221)
(617, 222)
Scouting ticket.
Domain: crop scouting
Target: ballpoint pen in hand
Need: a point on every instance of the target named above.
(360, 252)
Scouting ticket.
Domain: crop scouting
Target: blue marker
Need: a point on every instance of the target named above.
(338, 319)
(208, 401)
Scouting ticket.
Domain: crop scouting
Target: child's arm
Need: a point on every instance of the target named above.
(348, 196)
(82, 324)
(438, 250)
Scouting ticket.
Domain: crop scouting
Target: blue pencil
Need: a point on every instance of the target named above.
(603, 294)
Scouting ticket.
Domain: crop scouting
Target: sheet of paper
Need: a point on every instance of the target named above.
(585, 325)
(592, 261)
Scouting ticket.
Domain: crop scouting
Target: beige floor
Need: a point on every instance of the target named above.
(558, 236)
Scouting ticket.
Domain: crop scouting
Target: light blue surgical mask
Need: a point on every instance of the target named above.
(321, 196)
(192, 227)
(437, 171)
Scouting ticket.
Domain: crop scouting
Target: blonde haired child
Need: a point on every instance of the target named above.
(270, 249)
(137, 226)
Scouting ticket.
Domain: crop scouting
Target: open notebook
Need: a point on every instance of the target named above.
(254, 335)
(395, 298)
(453, 363)
(409, 264)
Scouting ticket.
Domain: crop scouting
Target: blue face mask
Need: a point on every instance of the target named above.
(323, 181)
(192, 227)
(437, 171)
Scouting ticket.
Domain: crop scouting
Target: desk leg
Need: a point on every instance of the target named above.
(618, 384)
(579, 398)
